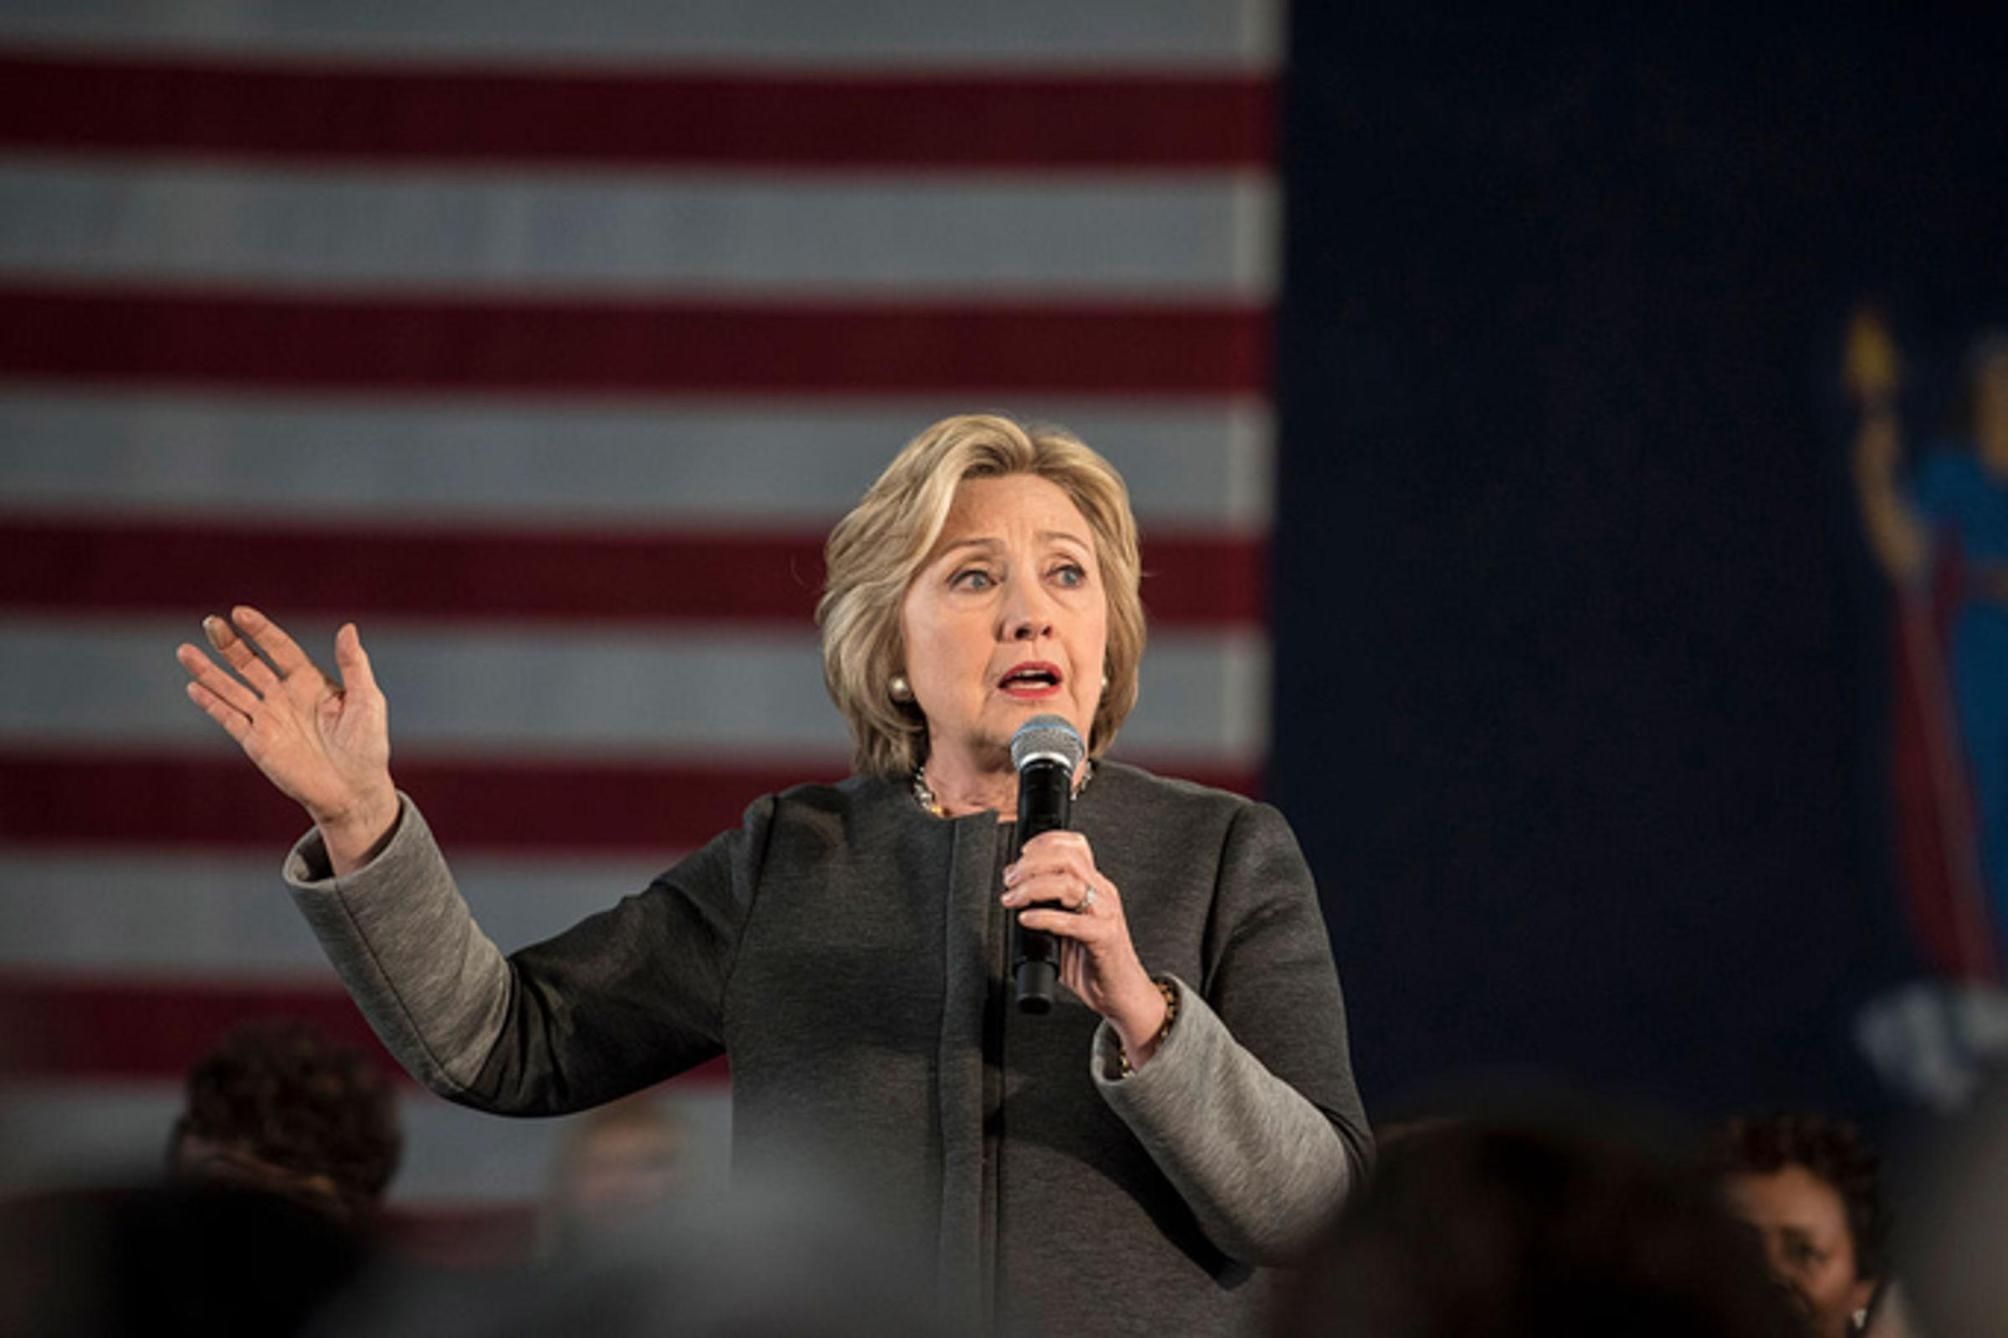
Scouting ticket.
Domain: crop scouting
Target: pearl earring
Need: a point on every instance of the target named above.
(899, 689)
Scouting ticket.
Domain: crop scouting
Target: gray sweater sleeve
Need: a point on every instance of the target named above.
(1257, 1163)
(621, 1000)
(400, 937)
(1262, 1152)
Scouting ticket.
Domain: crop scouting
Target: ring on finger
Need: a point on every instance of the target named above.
(1087, 896)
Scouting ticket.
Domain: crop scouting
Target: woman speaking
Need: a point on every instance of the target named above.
(1125, 1163)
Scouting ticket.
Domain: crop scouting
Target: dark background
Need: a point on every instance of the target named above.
(1580, 669)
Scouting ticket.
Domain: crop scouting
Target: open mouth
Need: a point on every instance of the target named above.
(1030, 680)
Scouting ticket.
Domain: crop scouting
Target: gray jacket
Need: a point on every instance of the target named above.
(846, 949)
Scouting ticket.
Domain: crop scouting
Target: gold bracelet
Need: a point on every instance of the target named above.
(1123, 1066)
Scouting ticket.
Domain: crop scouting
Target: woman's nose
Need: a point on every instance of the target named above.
(1028, 623)
(1028, 615)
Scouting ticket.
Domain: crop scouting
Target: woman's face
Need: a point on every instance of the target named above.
(1006, 620)
(1804, 1224)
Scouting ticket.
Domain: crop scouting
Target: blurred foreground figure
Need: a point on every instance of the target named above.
(1498, 1228)
(284, 1149)
(619, 1161)
(1811, 1188)
(278, 1107)
(1952, 1245)
(789, 1255)
(201, 1260)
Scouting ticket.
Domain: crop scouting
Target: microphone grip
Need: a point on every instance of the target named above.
(1045, 804)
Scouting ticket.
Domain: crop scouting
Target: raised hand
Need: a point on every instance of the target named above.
(322, 742)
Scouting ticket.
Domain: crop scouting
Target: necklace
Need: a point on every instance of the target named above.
(923, 793)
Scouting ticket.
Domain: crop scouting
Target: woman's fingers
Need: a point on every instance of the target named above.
(1065, 886)
(1058, 867)
(1050, 847)
(1030, 867)
(1065, 924)
(284, 652)
(248, 639)
(320, 745)
(1055, 888)
(235, 723)
(202, 671)
(286, 655)
(1054, 854)
(238, 652)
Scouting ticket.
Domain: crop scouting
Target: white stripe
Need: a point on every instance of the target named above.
(175, 916)
(1035, 34)
(1208, 466)
(54, 1135)
(566, 691)
(600, 235)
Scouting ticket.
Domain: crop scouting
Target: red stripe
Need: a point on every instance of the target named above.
(742, 119)
(54, 1027)
(246, 340)
(184, 569)
(218, 800)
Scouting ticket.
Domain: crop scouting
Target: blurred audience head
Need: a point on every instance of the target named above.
(784, 1253)
(1512, 1227)
(1811, 1188)
(195, 1259)
(278, 1107)
(616, 1160)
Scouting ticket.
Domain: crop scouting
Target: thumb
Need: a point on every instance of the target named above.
(353, 661)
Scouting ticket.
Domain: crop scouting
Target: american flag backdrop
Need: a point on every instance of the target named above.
(546, 342)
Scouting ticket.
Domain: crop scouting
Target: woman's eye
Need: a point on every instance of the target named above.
(1071, 574)
(971, 578)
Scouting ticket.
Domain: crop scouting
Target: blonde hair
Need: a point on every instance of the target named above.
(875, 552)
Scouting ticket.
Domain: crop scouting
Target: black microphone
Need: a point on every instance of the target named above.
(1047, 751)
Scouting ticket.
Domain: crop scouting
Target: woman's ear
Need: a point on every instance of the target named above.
(1859, 1297)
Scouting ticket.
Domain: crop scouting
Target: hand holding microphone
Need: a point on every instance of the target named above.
(1066, 917)
(1046, 751)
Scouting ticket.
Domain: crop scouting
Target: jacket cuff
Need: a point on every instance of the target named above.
(308, 868)
(1177, 1048)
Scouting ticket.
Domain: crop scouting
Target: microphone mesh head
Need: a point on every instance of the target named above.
(1047, 736)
